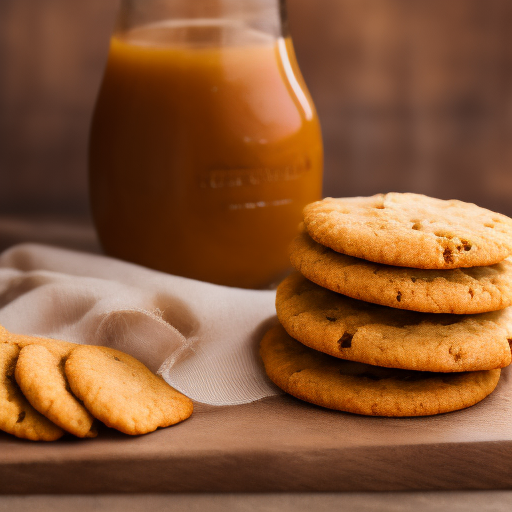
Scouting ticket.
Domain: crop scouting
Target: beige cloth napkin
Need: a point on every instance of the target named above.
(202, 338)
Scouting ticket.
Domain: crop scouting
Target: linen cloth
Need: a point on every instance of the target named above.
(202, 338)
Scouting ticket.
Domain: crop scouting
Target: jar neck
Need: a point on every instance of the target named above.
(267, 16)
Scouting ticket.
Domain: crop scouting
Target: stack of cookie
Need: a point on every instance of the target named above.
(410, 295)
(50, 387)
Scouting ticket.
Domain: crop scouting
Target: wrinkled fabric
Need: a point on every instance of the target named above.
(202, 338)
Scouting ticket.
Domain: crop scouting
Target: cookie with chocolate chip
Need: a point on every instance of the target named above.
(121, 392)
(17, 416)
(363, 389)
(460, 291)
(378, 335)
(411, 230)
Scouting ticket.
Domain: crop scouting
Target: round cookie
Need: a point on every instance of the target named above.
(411, 230)
(364, 389)
(393, 338)
(122, 392)
(17, 416)
(40, 376)
(459, 291)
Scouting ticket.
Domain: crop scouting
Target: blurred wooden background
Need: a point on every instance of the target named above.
(413, 95)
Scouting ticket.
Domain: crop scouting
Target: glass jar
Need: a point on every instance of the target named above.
(205, 144)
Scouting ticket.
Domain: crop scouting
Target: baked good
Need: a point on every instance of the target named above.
(363, 389)
(40, 376)
(411, 230)
(17, 416)
(121, 392)
(379, 335)
(460, 291)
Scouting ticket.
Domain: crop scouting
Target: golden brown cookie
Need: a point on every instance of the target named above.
(393, 338)
(4, 333)
(17, 416)
(122, 393)
(363, 389)
(40, 376)
(411, 230)
(58, 347)
(459, 291)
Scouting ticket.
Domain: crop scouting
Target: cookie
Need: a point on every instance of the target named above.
(40, 376)
(460, 291)
(394, 338)
(17, 416)
(363, 389)
(58, 347)
(411, 230)
(122, 393)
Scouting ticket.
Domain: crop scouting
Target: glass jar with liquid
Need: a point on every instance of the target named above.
(205, 144)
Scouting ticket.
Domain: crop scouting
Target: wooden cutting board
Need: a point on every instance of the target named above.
(277, 444)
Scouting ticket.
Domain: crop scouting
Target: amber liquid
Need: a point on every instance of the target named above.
(205, 146)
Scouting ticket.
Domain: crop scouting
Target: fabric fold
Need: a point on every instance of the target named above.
(202, 338)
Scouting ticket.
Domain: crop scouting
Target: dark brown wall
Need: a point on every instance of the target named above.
(52, 54)
(412, 94)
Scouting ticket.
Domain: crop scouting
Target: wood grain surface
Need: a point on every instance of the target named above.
(277, 444)
(427, 501)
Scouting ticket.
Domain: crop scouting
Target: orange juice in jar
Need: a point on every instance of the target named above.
(205, 144)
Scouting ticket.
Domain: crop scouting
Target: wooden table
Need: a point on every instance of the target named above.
(305, 453)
